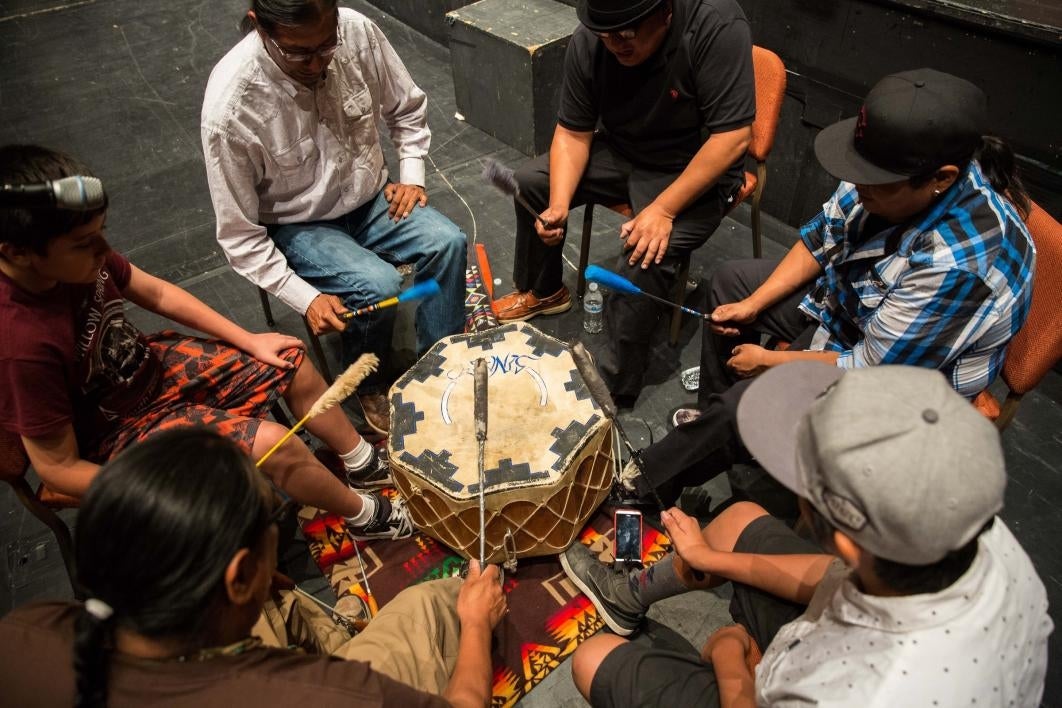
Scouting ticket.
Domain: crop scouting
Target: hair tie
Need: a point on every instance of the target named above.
(99, 609)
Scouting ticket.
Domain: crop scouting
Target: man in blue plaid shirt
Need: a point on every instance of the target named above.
(920, 257)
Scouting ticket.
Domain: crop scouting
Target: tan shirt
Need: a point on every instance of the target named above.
(278, 152)
(36, 669)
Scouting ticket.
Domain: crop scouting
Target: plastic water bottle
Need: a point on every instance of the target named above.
(593, 304)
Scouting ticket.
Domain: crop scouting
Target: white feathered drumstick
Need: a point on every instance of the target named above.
(339, 391)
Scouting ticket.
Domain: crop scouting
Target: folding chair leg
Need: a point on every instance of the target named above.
(757, 195)
(266, 309)
(58, 528)
(680, 298)
(318, 352)
(584, 246)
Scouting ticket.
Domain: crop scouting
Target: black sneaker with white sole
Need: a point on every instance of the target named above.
(607, 588)
(391, 521)
(374, 475)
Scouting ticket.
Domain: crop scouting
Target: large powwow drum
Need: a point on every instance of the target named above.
(548, 460)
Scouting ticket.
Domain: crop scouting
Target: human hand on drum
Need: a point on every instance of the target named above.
(481, 597)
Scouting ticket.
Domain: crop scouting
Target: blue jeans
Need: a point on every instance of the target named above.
(354, 257)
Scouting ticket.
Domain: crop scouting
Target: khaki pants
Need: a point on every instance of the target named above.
(414, 638)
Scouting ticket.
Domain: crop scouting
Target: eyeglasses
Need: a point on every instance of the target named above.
(302, 57)
(626, 35)
(631, 33)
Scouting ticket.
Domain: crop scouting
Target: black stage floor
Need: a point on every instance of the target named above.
(120, 83)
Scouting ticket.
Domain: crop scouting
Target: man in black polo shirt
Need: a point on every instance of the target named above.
(655, 111)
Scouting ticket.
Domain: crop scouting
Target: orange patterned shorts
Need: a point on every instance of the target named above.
(204, 382)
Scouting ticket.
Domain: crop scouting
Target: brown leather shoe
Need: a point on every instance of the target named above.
(377, 412)
(521, 306)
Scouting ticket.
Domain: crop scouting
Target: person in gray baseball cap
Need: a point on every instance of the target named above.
(925, 596)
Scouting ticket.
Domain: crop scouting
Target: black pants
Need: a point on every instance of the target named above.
(638, 675)
(630, 319)
(697, 451)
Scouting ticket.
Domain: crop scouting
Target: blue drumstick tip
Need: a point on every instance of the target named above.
(597, 274)
(424, 289)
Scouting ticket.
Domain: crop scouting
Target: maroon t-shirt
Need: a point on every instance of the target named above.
(68, 355)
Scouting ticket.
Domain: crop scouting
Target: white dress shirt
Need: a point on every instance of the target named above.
(278, 152)
(980, 642)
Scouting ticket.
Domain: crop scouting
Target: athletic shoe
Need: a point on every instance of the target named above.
(521, 306)
(391, 521)
(608, 589)
(375, 475)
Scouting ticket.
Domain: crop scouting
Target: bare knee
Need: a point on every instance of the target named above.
(588, 657)
(722, 534)
(287, 455)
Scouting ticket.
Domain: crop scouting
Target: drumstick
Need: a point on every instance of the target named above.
(502, 177)
(599, 392)
(480, 412)
(424, 289)
(597, 274)
(338, 392)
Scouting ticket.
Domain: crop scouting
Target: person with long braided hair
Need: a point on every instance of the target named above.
(176, 550)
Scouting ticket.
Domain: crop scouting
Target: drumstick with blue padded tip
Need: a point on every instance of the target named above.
(479, 409)
(599, 392)
(420, 291)
(597, 274)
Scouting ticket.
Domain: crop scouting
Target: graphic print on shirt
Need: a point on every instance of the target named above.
(118, 370)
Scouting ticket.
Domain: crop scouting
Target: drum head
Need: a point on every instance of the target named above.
(540, 413)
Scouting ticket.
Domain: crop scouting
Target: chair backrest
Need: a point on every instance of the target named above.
(13, 460)
(770, 91)
(1038, 344)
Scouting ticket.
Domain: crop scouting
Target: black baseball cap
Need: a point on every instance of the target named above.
(910, 124)
(610, 15)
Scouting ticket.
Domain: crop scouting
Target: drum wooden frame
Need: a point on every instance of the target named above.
(548, 459)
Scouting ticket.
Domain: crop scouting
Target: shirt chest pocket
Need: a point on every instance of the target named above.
(296, 169)
(358, 119)
(302, 155)
(875, 287)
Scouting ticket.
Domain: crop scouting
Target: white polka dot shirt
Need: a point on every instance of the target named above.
(980, 642)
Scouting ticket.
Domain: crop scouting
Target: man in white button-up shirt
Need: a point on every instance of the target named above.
(926, 598)
(304, 206)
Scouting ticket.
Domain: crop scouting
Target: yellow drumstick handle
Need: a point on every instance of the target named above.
(287, 436)
(389, 302)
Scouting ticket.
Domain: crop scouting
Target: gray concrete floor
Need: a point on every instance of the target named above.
(119, 83)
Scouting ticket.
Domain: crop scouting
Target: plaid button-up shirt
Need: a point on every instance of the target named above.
(945, 292)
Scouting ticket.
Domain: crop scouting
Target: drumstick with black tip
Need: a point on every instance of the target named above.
(479, 402)
(599, 392)
(503, 178)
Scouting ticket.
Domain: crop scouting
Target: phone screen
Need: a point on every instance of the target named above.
(628, 536)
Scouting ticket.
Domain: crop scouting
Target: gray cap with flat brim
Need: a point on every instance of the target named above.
(891, 456)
